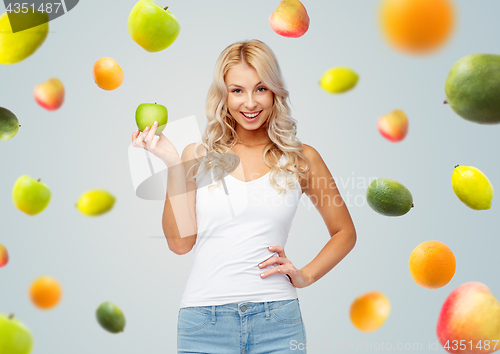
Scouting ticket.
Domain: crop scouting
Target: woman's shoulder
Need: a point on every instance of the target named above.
(189, 151)
(310, 153)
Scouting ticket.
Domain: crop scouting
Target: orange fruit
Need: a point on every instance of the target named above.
(417, 26)
(107, 74)
(45, 292)
(369, 311)
(432, 264)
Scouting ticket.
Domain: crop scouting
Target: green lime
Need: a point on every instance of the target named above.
(9, 124)
(110, 317)
(388, 197)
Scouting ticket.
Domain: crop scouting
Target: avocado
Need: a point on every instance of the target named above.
(472, 88)
(388, 197)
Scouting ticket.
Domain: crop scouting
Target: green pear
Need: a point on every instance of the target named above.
(152, 26)
(147, 113)
(9, 124)
(17, 46)
(472, 88)
(15, 337)
(30, 196)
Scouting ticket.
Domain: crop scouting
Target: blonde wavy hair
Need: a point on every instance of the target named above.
(220, 134)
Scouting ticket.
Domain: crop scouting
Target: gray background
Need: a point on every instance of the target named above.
(120, 258)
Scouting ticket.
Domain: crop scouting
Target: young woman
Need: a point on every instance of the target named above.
(234, 207)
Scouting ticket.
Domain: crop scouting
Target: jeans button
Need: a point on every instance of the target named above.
(243, 308)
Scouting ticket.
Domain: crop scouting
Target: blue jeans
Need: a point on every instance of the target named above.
(274, 327)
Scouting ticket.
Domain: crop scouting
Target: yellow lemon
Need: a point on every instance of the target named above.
(472, 187)
(95, 202)
(339, 80)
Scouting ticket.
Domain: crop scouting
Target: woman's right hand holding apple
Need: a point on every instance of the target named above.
(158, 145)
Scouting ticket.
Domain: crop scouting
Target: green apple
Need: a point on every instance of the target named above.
(152, 26)
(30, 196)
(15, 337)
(147, 113)
(9, 124)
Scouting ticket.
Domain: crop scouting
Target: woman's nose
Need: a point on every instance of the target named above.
(250, 102)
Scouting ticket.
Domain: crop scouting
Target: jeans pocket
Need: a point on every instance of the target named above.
(191, 320)
(288, 312)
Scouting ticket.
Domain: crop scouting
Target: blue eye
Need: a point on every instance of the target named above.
(265, 89)
(236, 90)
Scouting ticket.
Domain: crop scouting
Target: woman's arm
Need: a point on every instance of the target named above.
(179, 212)
(322, 191)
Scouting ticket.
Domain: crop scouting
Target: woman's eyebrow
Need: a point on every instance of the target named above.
(243, 87)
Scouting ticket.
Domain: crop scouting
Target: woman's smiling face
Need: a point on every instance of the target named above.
(249, 101)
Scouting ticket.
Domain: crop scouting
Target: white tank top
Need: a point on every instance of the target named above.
(237, 221)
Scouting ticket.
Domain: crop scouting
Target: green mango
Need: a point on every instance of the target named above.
(389, 197)
(15, 47)
(9, 124)
(472, 88)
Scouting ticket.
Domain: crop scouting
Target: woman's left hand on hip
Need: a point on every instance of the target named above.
(285, 266)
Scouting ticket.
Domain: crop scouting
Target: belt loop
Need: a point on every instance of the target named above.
(213, 314)
(267, 309)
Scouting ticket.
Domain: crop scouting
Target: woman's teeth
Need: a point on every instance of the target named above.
(253, 115)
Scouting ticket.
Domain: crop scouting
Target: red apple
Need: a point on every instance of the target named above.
(4, 256)
(393, 126)
(50, 94)
(290, 19)
(469, 321)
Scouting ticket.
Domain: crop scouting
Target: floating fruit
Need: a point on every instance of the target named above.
(4, 256)
(393, 126)
(95, 202)
(45, 292)
(417, 26)
(389, 197)
(107, 74)
(15, 337)
(432, 264)
(50, 94)
(9, 124)
(472, 87)
(152, 26)
(30, 196)
(369, 311)
(147, 113)
(290, 19)
(110, 317)
(469, 320)
(17, 46)
(339, 80)
(472, 187)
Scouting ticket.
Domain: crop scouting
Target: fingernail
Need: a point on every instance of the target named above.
(156, 122)
(147, 128)
(262, 275)
(260, 265)
(270, 247)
